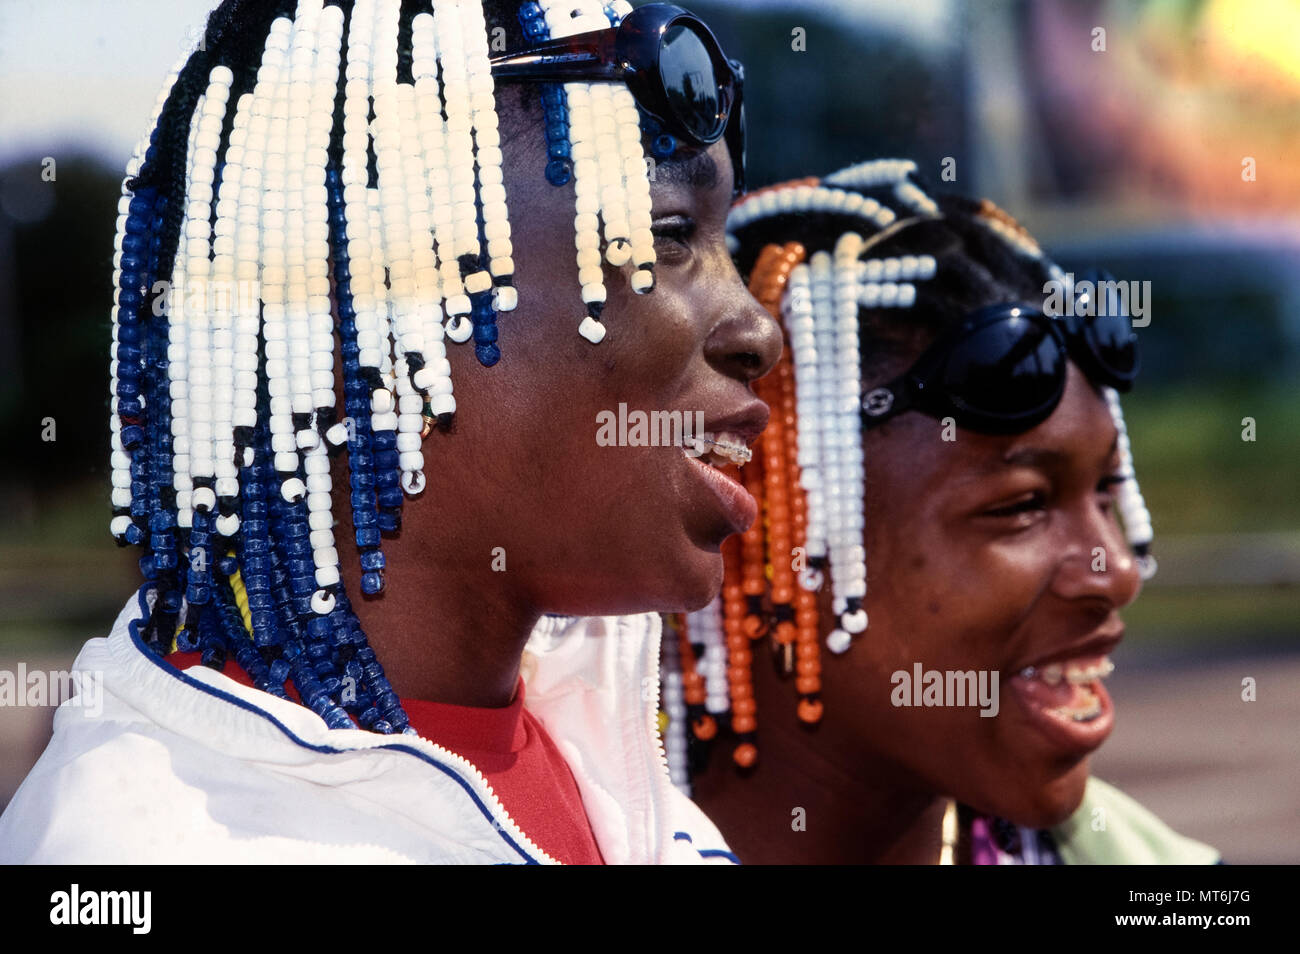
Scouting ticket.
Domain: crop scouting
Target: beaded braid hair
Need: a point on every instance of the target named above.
(862, 270)
(318, 168)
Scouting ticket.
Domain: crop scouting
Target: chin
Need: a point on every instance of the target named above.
(1051, 801)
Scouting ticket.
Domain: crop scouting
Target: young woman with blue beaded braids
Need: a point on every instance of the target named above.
(935, 421)
(344, 558)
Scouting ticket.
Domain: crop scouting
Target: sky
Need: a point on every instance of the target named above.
(86, 73)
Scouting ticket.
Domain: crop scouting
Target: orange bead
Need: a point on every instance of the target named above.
(782, 596)
(743, 724)
(744, 707)
(810, 710)
(807, 685)
(753, 627)
(807, 650)
(740, 657)
(745, 755)
(742, 690)
(785, 632)
(705, 727)
(808, 667)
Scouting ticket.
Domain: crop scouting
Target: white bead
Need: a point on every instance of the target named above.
(854, 622)
(459, 329)
(413, 482)
(293, 490)
(505, 298)
(228, 525)
(838, 641)
(322, 602)
(592, 330)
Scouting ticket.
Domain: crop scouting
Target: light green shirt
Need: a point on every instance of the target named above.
(1110, 828)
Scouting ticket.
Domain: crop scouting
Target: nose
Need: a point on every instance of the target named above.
(1098, 564)
(744, 342)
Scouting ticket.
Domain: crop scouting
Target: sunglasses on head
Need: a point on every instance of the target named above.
(1002, 369)
(671, 62)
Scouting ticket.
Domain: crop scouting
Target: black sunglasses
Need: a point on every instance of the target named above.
(671, 62)
(1002, 370)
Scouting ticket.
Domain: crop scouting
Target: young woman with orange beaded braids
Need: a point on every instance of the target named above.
(980, 517)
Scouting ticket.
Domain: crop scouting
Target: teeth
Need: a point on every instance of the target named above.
(720, 449)
(1086, 711)
(1082, 675)
(1074, 674)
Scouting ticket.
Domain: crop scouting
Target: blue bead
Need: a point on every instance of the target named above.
(198, 593)
(389, 522)
(382, 727)
(372, 560)
(663, 146)
(487, 354)
(558, 172)
(390, 496)
(134, 535)
(369, 536)
(372, 583)
(279, 672)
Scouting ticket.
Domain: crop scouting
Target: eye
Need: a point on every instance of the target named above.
(676, 229)
(1028, 504)
(1106, 488)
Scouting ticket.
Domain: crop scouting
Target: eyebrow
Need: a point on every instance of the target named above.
(698, 171)
(1043, 459)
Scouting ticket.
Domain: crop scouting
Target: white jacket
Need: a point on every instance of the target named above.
(194, 767)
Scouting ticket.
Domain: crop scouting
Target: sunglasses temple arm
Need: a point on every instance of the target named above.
(583, 56)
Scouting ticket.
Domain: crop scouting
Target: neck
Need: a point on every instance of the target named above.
(855, 810)
(444, 631)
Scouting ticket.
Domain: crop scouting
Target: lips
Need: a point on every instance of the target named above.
(713, 458)
(1062, 694)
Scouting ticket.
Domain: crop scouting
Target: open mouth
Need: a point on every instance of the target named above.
(714, 456)
(722, 449)
(1079, 687)
(1066, 700)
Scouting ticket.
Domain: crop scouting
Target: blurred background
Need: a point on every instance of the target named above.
(1164, 148)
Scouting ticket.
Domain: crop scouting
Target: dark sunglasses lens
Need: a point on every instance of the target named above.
(1007, 369)
(690, 81)
(1112, 340)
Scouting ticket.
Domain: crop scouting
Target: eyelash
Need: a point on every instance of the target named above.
(676, 228)
(1038, 500)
